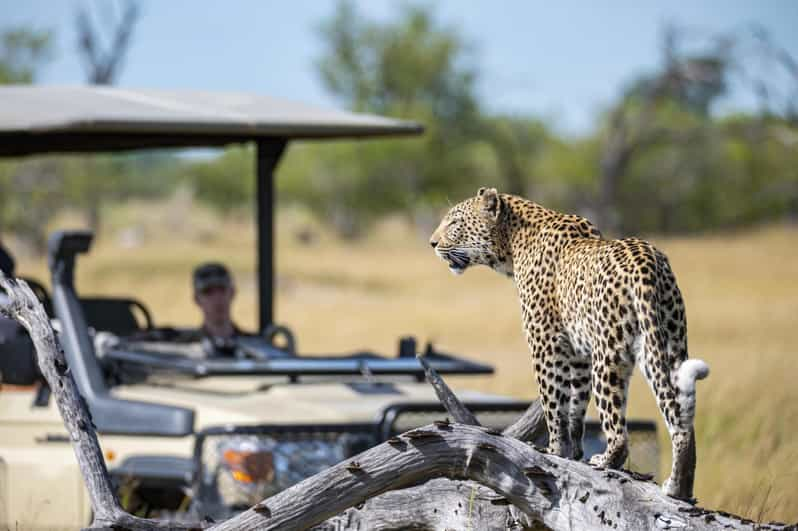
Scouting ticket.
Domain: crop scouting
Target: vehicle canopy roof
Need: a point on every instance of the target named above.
(45, 119)
(64, 119)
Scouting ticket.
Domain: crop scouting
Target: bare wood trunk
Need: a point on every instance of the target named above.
(531, 486)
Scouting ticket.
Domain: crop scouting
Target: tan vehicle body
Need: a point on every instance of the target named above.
(40, 484)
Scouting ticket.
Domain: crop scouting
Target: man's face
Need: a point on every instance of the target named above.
(215, 302)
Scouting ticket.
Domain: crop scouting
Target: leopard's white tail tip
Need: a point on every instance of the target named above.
(686, 376)
(690, 371)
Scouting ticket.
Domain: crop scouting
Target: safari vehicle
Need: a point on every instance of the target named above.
(184, 430)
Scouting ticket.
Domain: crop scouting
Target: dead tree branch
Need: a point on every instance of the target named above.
(530, 485)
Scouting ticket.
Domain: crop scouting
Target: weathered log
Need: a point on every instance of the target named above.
(559, 493)
(437, 504)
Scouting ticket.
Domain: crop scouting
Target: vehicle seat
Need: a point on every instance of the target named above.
(122, 317)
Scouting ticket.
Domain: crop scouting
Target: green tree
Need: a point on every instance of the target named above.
(22, 52)
(91, 181)
(31, 194)
(27, 190)
(413, 67)
(227, 182)
(517, 143)
(668, 163)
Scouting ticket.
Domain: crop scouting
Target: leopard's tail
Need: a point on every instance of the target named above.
(665, 343)
(687, 374)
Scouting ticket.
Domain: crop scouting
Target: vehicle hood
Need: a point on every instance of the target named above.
(256, 401)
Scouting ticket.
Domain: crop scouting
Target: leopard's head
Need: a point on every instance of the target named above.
(472, 233)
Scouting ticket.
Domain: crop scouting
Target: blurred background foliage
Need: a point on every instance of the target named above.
(659, 159)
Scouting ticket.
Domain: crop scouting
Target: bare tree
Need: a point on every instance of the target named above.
(632, 125)
(694, 79)
(103, 53)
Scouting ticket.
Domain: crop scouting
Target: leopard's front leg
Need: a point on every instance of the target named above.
(554, 390)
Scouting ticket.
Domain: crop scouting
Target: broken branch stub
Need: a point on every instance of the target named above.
(529, 427)
(456, 409)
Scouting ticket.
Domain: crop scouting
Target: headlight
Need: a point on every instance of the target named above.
(249, 468)
(248, 461)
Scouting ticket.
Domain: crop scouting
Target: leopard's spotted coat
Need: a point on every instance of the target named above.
(592, 309)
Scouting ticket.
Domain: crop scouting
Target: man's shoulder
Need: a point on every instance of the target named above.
(237, 331)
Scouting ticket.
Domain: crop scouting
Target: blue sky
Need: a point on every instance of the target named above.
(561, 60)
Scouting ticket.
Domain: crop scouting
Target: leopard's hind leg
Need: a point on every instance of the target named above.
(674, 389)
(611, 373)
(672, 377)
(579, 377)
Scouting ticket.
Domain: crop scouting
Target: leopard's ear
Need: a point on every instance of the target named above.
(491, 202)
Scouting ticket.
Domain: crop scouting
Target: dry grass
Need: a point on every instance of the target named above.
(741, 292)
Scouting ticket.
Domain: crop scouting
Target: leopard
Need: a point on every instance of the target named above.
(592, 309)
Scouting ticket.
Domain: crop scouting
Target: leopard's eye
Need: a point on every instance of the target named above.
(453, 229)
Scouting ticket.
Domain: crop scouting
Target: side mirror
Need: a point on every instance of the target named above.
(17, 355)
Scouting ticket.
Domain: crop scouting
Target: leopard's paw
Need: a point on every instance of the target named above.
(598, 461)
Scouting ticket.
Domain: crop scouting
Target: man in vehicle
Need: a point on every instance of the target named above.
(214, 292)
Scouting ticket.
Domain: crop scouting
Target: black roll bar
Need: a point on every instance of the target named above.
(110, 415)
(269, 153)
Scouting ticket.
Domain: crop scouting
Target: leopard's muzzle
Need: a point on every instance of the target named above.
(456, 259)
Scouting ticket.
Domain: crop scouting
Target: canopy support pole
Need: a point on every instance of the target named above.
(268, 156)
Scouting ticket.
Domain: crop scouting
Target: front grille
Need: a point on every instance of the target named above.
(275, 457)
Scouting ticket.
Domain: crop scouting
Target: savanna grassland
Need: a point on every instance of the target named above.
(741, 291)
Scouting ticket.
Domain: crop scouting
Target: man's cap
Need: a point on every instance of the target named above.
(211, 274)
